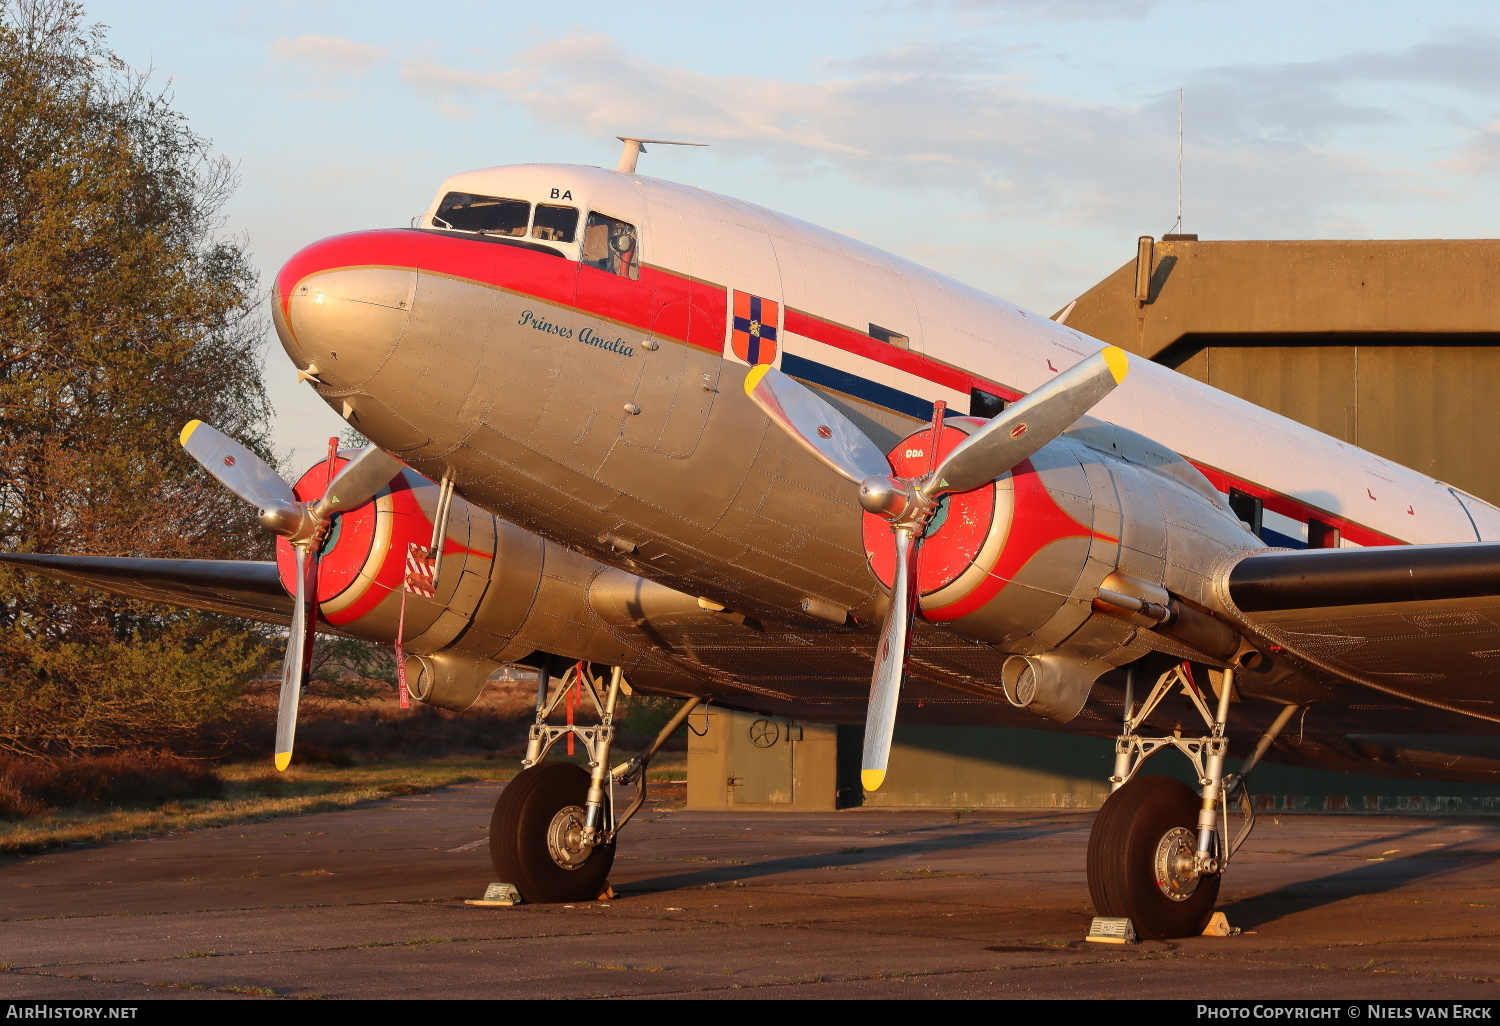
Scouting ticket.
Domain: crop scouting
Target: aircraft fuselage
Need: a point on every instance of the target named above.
(576, 362)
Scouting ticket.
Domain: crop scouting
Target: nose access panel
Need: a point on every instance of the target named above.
(343, 304)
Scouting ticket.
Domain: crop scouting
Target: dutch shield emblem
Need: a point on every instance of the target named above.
(753, 336)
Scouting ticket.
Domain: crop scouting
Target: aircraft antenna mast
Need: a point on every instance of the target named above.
(635, 147)
(1178, 226)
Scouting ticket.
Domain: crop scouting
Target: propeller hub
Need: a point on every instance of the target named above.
(282, 518)
(886, 496)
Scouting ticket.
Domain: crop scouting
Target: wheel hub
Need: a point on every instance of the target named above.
(1177, 864)
(565, 838)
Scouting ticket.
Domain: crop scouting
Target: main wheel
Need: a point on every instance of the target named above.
(1141, 859)
(536, 836)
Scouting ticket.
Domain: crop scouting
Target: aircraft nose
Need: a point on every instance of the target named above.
(342, 304)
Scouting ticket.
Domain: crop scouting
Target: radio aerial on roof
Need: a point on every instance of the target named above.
(635, 147)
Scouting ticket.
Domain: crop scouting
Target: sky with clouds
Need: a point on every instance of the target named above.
(1018, 145)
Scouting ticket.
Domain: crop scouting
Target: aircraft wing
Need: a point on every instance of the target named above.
(245, 588)
(1420, 622)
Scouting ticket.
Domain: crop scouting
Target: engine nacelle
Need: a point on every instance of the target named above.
(490, 575)
(1019, 563)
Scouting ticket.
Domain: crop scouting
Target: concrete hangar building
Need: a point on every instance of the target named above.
(1391, 345)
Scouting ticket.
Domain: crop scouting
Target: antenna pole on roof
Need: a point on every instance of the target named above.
(1178, 226)
(635, 147)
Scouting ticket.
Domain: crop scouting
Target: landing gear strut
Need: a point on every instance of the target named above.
(1158, 851)
(553, 831)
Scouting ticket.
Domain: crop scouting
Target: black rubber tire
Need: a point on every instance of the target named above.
(1122, 859)
(519, 834)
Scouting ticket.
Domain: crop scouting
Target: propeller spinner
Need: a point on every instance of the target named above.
(304, 525)
(908, 503)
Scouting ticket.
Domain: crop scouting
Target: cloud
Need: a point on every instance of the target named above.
(1479, 156)
(328, 54)
(912, 119)
(1287, 149)
(1313, 101)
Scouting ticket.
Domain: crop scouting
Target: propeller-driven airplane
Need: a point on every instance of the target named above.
(682, 443)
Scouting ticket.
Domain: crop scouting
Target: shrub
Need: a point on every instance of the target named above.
(31, 787)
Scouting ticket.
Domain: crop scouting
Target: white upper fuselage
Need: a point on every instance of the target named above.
(957, 333)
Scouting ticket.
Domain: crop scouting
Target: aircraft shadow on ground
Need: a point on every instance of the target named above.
(949, 837)
(1250, 912)
(1371, 877)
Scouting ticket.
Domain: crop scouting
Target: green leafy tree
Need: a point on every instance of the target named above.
(124, 313)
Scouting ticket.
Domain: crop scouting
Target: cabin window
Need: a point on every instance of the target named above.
(1249, 509)
(489, 215)
(1323, 536)
(892, 337)
(554, 223)
(612, 246)
(985, 404)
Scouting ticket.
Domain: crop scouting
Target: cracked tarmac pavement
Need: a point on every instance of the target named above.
(368, 903)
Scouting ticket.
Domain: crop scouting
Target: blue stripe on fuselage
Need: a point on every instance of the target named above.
(1271, 537)
(821, 374)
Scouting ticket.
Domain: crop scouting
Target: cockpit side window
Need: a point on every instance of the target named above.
(555, 223)
(491, 215)
(612, 246)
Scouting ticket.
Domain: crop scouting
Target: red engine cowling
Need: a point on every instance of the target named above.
(998, 563)
(1019, 563)
(490, 572)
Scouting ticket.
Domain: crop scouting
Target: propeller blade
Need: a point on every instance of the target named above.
(360, 479)
(890, 666)
(823, 431)
(294, 664)
(237, 468)
(1029, 424)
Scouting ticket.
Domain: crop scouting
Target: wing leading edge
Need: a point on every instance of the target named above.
(239, 587)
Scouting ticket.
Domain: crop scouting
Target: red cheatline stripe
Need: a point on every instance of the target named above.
(665, 303)
(1287, 506)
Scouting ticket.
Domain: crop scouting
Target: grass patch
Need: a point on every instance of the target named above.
(252, 792)
(666, 768)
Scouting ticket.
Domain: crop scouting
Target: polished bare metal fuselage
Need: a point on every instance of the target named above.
(688, 539)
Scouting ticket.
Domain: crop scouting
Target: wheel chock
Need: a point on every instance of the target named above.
(1218, 926)
(497, 895)
(1111, 930)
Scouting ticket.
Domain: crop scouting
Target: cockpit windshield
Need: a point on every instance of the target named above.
(492, 215)
(555, 223)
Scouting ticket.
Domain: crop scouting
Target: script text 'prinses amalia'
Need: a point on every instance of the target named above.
(584, 335)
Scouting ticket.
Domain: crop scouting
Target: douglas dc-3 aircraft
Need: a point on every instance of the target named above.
(672, 441)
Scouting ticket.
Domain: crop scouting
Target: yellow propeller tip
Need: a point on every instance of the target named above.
(283, 760)
(187, 432)
(753, 378)
(872, 779)
(1119, 363)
